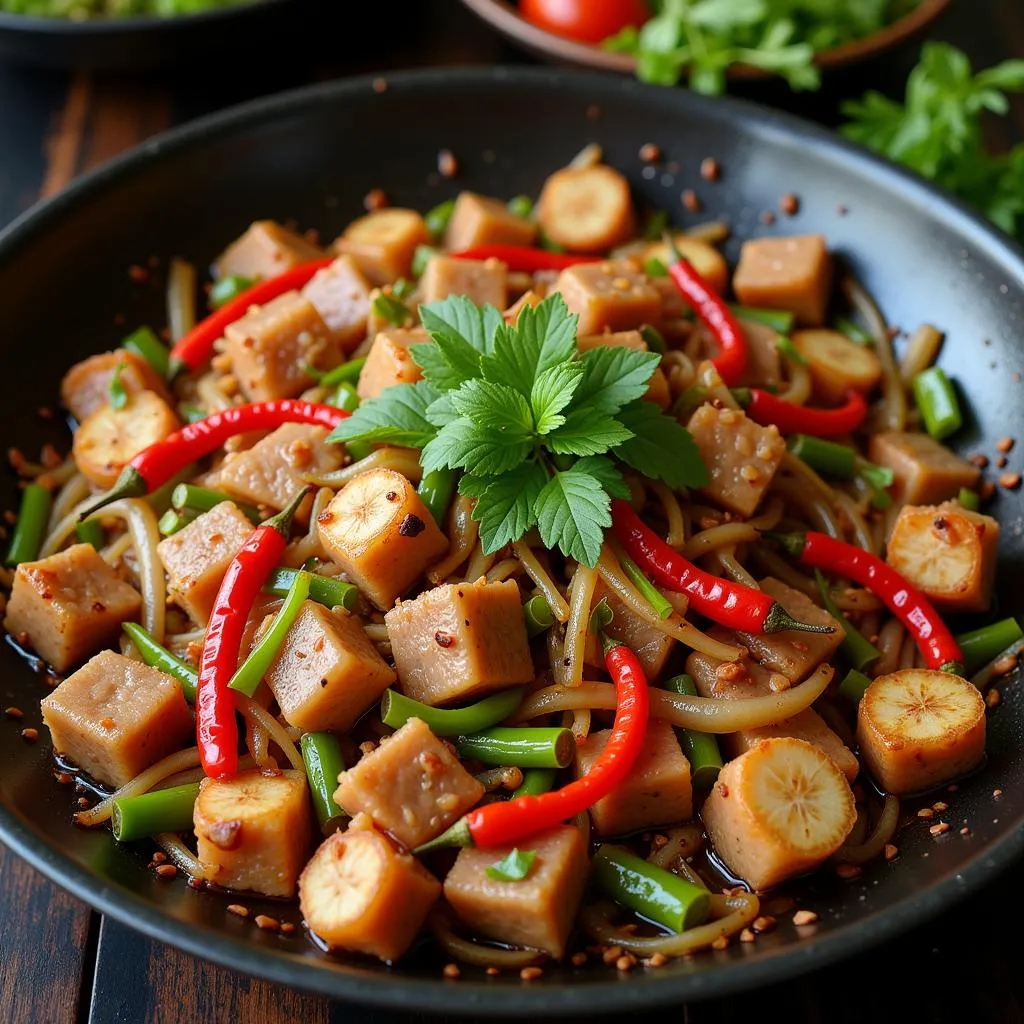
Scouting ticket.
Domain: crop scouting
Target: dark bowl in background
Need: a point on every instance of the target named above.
(312, 156)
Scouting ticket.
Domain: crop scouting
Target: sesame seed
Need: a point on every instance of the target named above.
(578, 959)
(1010, 481)
(926, 812)
(447, 164)
(375, 199)
(691, 201)
(747, 935)
(159, 857)
(452, 971)
(656, 960)
(997, 793)
(979, 460)
(139, 275)
(531, 973)
(992, 698)
(890, 852)
(650, 153)
(238, 910)
(939, 828)
(750, 473)
(710, 169)
(965, 831)
(626, 962)
(767, 217)
(789, 204)
(939, 806)
(1005, 664)
(1005, 444)
(267, 923)
(492, 971)
(848, 871)
(802, 917)
(611, 954)
(764, 923)
(166, 870)
(722, 942)
(13, 712)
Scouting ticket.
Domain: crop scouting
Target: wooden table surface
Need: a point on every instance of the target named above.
(60, 963)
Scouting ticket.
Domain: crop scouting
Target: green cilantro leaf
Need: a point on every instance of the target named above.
(613, 376)
(505, 505)
(397, 416)
(573, 511)
(587, 431)
(660, 447)
(552, 391)
(464, 445)
(514, 867)
(116, 390)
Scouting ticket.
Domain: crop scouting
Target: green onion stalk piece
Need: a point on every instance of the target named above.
(321, 754)
(148, 814)
(201, 499)
(700, 748)
(937, 402)
(540, 747)
(324, 590)
(980, 646)
(30, 526)
(157, 656)
(538, 615)
(396, 709)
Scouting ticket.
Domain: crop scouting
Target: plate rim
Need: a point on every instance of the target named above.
(392, 990)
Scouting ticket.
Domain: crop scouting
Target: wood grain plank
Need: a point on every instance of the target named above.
(43, 938)
(64, 143)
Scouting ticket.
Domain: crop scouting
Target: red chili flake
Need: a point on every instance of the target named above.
(380, 85)
(443, 639)
(789, 204)
(139, 275)
(447, 164)
(375, 199)
(710, 169)
(64, 778)
(267, 923)
(691, 201)
(650, 153)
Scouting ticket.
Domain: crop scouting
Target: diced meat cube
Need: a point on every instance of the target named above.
(460, 640)
(657, 389)
(69, 605)
(485, 282)
(327, 672)
(270, 472)
(86, 386)
(528, 298)
(360, 893)
(793, 273)
(537, 911)
(254, 830)
(657, 791)
(925, 472)
(341, 295)
(383, 243)
(271, 344)
(794, 653)
(197, 556)
(265, 250)
(480, 220)
(947, 552)
(742, 457)
(115, 717)
(380, 532)
(412, 785)
(389, 361)
(611, 296)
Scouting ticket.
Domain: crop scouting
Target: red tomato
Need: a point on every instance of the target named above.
(588, 21)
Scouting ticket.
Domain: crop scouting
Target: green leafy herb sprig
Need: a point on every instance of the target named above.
(537, 428)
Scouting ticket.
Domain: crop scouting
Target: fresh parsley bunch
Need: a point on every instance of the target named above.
(536, 427)
(936, 131)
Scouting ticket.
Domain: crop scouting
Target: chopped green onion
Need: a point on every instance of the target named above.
(227, 288)
(780, 320)
(980, 646)
(346, 372)
(790, 351)
(403, 288)
(936, 399)
(175, 519)
(436, 490)
(514, 867)
(192, 413)
(90, 531)
(437, 219)
(321, 754)
(836, 460)
(653, 267)
(969, 499)
(854, 686)
(521, 206)
(535, 782)
(545, 243)
(202, 499)
(652, 892)
(421, 257)
(654, 338)
(247, 678)
(601, 616)
(157, 656)
(396, 709)
(855, 645)
(147, 814)
(358, 450)
(117, 393)
(345, 397)
(144, 343)
(325, 590)
(393, 310)
(689, 402)
(656, 225)
(525, 747)
(878, 477)
(853, 331)
(31, 525)
(700, 748)
(654, 597)
(538, 615)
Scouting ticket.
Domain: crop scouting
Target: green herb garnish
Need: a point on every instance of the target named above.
(393, 310)
(601, 616)
(537, 428)
(513, 868)
(117, 393)
(790, 351)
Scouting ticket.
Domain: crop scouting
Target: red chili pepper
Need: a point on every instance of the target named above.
(904, 600)
(768, 409)
(196, 347)
(506, 822)
(731, 361)
(729, 604)
(216, 728)
(525, 259)
(155, 465)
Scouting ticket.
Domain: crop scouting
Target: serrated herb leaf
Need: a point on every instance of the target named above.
(601, 616)
(587, 431)
(463, 445)
(441, 412)
(660, 447)
(437, 371)
(505, 505)
(461, 333)
(392, 309)
(614, 376)
(397, 416)
(603, 469)
(116, 392)
(552, 391)
(514, 867)
(493, 407)
(572, 514)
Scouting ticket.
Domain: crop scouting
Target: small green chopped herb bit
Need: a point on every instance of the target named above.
(545, 243)
(980, 646)
(514, 867)
(937, 402)
(175, 519)
(437, 219)
(521, 206)
(861, 651)
(321, 754)
(700, 748)
(347, 372)
(325, 590)
(653, 267)
(854, 686)
(539, 617)
(144, 343)
(969, 499)
(780, 320)
(403, 288)
(878, 477)
(192, 413)
(30, 526)
(601, 616)
(393, 310)
(853, 331)
(690, 401)
(118, 395)
(345, 397)
(436, 489)
(225, 289)
(790, 351)
(654, 338)
(535, 782)
(656, 225)
(827, 457)
(396, 709)
(654, 597)
(90, 531)
(421, 257)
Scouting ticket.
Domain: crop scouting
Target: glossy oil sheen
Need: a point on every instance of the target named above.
(312, 156)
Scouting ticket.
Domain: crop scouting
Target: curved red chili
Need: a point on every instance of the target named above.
(727, 603)
(216, 728)
(768, 410)
(525, 259)
(196, 347)
(155, 465)
(509, 821)
(905, 601)
(731, 361)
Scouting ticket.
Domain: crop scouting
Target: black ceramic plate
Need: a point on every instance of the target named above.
(312, 156)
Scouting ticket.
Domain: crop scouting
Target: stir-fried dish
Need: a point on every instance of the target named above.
(486, 575)
(83, 10)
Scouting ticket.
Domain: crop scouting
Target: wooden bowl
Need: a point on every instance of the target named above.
(505, 17)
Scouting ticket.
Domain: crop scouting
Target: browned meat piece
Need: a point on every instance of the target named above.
(786, 273)
(265, 250)
(86, 386)
(480, 220)
(341, 295)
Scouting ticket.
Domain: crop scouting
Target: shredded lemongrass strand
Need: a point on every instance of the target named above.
(181, 298)
(812, 508)
(71, 494)
(309, 546)
(250, 709)
(922, 350)
(581, 596)
(890, 643)
(462, 534)
(479, 563)
(504, 569)
(858, 526)
(679, 844)
(556, 656)
(115, 550)
(544, 583)
(179, 761)
(892, 413)
(874, 844)
(728, 535)
(181, 856)
(676, 536)
(726, 558)
(770, 514)
(476, 953)
(798, 388)
(403, 460)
